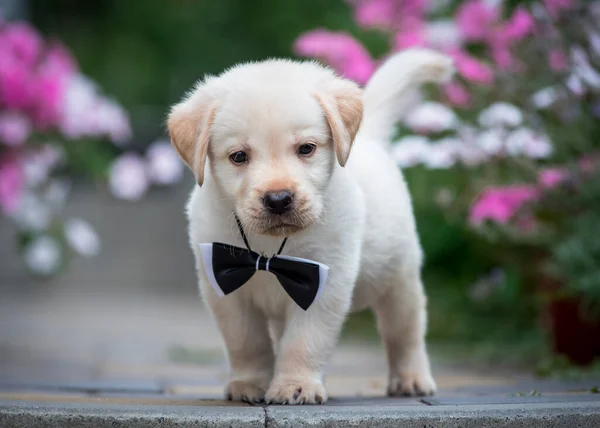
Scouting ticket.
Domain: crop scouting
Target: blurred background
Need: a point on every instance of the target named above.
(501, 162)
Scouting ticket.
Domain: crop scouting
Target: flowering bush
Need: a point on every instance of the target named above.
(55, 124)
(522, 131)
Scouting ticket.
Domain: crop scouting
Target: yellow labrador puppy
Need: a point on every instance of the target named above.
(285, 149)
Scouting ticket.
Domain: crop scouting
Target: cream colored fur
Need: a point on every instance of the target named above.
(356, 218)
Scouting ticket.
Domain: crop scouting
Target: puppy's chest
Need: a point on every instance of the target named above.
(266, 293)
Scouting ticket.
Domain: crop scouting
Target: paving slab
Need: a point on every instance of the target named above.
(567, 415)
(214, 414)
(83, 415)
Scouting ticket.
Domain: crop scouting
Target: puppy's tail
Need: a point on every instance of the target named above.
(394, 88)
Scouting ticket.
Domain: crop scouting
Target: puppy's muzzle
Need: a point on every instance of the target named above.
(278, 202)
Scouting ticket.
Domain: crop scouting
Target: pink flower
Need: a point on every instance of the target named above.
(471, 68)
(14, 128)
(59, 61)
(500, 204)
(457, 94)
(11, 183)
(409, 39)
(551, 177)
(15, 90)
(519, 26)
(374, 13)
(128, 179)
(476, 19)
(558, 60)
(23, 41)
(502, 56)
(339, 50)
(49, 88)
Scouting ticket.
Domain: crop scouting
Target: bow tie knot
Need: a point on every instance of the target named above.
(262, 263)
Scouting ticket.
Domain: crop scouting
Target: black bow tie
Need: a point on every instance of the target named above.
(229, 267)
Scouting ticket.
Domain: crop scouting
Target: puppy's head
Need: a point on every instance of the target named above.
(269, 134)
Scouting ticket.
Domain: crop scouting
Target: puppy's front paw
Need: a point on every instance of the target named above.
(296, 391)
(412, 382)
(250, 391)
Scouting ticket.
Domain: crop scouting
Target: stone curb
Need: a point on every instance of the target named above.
(567, 415)
(30, 414)
(72, 415)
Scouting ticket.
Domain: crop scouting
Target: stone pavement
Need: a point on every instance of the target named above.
(158, 362)
(123, 340)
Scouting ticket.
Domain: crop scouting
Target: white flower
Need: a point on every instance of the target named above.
(524, 141)
(164, 165)
(431, 117)
(575, 85)
(14, 128)
(500, 114)
(128, 179)
(538, 148)
(43, 255)
(56, 193)
(408, 151)
(491, 141)
(584, 69)
(443, 33)
(441, 154)
(112, 121)
(38, 164)
(544, 98)
(86, 113)
(31, 213)
(82, 237)
(594, 40)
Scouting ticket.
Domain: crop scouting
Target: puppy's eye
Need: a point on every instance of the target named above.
(238, 157)
(306, 149)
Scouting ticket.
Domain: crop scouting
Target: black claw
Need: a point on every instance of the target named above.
(297, 393)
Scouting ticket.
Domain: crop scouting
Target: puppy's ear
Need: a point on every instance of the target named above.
(189, 124)
(343, 110)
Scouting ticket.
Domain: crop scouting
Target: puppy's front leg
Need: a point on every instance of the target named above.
(307, 342)
(249, 349)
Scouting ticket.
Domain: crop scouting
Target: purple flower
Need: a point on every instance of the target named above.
(164, 165)
(557, 6)
(11, 183)
(14, 128)
(128, 178)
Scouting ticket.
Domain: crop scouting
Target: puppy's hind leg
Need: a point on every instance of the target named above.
(402, 321)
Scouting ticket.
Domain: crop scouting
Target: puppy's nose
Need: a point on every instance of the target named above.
(278, 202)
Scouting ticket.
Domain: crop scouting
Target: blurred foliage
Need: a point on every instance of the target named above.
(150, 52)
